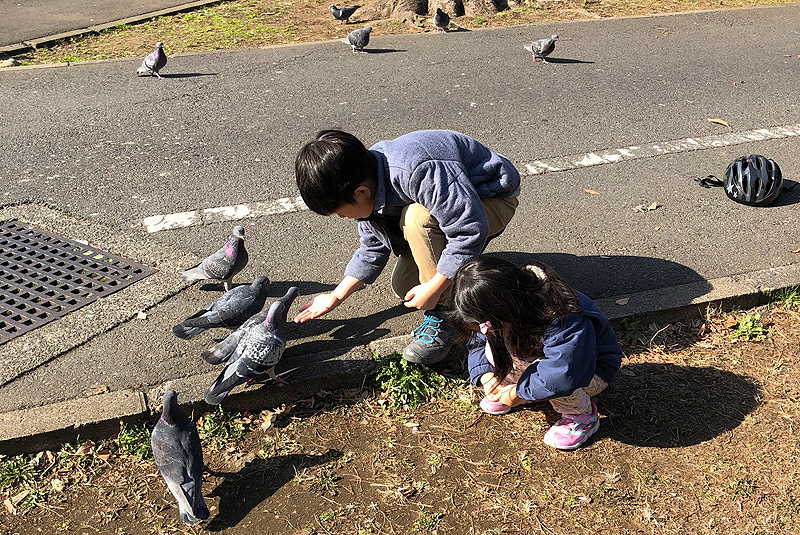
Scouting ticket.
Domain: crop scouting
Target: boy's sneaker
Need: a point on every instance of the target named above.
(432, 340)
(494, 408)
(572, 430)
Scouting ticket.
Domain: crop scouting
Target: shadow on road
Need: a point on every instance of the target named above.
(382, 50)
(188, 74)
(245, 490)
(607, 276)
(566, 60)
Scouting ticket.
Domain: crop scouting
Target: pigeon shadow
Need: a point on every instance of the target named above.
(188, 74)
(608, 276)
(672, 406)
(382, 50)
(244, 491)
(566, 60)
(277, 289)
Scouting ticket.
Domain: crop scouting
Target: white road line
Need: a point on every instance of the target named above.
(286, 205)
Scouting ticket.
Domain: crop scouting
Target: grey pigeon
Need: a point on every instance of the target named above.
(358, 39)
(176, 447)
(441, 20)
(230, 310)
(223, 264)
(259, 345)
(343, 14)
(542, 47)
(154, 62)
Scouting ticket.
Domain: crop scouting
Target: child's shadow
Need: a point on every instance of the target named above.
(670, 406)
(245, 490)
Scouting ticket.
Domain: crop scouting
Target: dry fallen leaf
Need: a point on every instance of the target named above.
(796, 251)
(141, 315)
(718, 121)
(730, 323)
(57, 485)
(623, 301)
(653, 206)
(591, 191)
(411, 424)
(10, 507)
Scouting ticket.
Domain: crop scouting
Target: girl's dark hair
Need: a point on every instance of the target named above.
(519, 303)
(329, 168)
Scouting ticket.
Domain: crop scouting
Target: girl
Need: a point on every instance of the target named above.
(533, 338)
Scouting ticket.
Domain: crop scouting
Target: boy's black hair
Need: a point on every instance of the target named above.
(329, 168)
(519, 303)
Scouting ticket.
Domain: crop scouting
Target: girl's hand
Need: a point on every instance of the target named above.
(507, 395)
(321, 304)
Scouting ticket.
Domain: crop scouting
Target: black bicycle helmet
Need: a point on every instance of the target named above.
(753, 180)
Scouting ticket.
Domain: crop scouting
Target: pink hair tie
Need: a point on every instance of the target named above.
(485, 326)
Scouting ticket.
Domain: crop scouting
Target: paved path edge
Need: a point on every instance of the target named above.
(100, 416)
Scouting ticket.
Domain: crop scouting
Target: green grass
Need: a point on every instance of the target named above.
(134, 440)
(788, 298)
(427, 522)
(17, 472)
(750, 328)
(406, 384)
(220, 427)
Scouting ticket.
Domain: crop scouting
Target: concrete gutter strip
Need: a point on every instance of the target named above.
(29, 44)
(35, 429)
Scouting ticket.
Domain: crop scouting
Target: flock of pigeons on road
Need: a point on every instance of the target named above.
(358, 39)
(249, 355)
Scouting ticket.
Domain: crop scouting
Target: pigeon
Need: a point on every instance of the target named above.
(358, 39)
(343, 14)
(154, 62)
(259, 345)
(441, 20)
(176, 447)
(230, 310)
(542, 47)
(223, 264)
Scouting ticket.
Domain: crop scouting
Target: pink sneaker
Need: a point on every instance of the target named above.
(494, 407)
(572, 430)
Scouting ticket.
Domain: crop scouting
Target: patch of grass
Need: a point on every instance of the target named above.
(134, 440)
(788, 298)
(742, 488)
(406, 384)
(218, 428)
(427, 521)
(17, 472)
(750, 328)
(279, 444)
(325, 482)
(631, 331)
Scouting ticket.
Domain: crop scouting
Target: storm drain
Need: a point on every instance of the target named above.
(44, 277)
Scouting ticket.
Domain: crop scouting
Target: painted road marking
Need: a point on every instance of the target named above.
(287, 205)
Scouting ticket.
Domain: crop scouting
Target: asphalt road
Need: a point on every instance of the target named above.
(223, 128)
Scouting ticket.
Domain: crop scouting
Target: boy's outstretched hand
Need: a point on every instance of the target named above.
(321, 304)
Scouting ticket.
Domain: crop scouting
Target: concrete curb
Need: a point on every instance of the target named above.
(32, 44)
(35, 429)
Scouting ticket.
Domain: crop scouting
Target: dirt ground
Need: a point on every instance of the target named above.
(258, 23)
(698, 435)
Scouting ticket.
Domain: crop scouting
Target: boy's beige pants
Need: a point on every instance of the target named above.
(427, 241)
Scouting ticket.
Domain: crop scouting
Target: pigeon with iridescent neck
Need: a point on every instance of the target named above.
(223, 264)
(230, 310)
(542, 47)
(252, 351)
(179, 456)
(153, 62)
(343, 14)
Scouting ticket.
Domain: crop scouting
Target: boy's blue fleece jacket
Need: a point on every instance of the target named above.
(576, 347)
(446, 172)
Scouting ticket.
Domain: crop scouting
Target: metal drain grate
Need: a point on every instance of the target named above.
(44, 277)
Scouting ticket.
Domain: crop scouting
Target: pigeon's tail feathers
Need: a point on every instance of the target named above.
(223, 385)
(144, 71)
(199, 512)
(194, 274)
(221, 352)
(346, 40)
(187, 332)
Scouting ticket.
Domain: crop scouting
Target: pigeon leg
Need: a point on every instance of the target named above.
(227, 284)
(159, 76)
(545, 61)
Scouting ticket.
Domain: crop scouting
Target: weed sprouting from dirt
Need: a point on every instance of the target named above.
(427, 522)
(16, 472)
(750, 328)
(788, 298)
(407, 385)
(218, 428)
(134, 440)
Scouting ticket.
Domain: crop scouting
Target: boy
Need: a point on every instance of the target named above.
(433, 198)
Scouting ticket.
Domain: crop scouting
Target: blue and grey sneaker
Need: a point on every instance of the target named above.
(432, 340)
